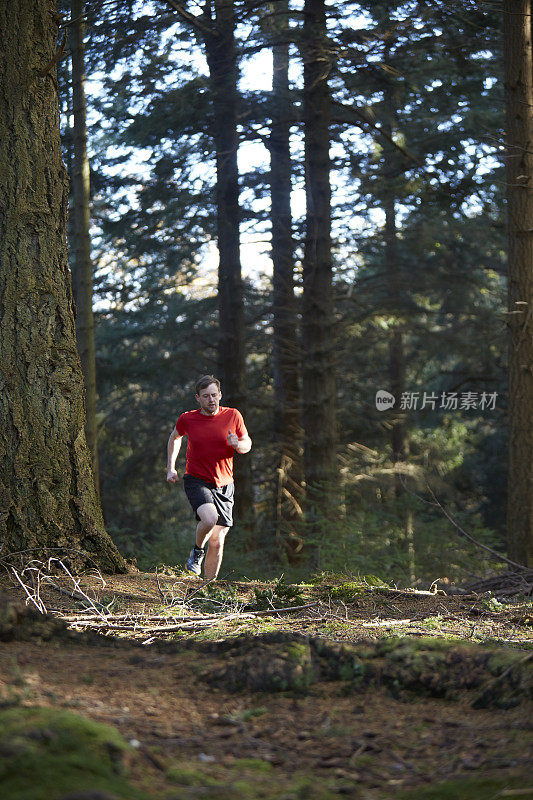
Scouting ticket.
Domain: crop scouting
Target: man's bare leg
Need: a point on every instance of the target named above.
(208, 519)
(208, 530)
(213, 559)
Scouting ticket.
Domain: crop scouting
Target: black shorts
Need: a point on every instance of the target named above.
(199, 492)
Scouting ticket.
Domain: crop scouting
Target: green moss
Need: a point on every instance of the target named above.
(254, 764)
(267, 666)
(244, 790)
(247, 714)
(350, 590)
(188, 776)
(334, 732)
(278, 595)
(248, 779)
(342, 661)
(309, 788)
(297, 651)
(48, 752)
(363, 761)
(470, 789)
(499, 662)
(513, 681)
(347, 591)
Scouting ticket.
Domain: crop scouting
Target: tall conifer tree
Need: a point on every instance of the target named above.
(221, 53)
(215, 26)
(47, 494)
(519, 159)
(286, 356)
(82, 270)
(318, 337)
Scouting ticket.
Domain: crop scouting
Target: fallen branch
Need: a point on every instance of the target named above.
(144, 624)
(505, 584)
(388, 623)
(409, 592)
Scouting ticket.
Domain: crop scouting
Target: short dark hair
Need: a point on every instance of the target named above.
(206, 381)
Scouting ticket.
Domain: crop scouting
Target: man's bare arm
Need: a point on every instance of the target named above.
(173, 448)
(245, 445)
(242, 445)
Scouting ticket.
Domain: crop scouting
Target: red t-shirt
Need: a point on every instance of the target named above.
(209, 456)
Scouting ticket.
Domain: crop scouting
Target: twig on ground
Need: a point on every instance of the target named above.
(60, 589)
(32, 598)
(36, 574)
(188, 598)
(506, 584)
(140, 624)
(163, 598)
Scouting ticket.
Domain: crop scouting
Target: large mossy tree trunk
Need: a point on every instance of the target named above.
(82, 271)
(519, 159)
(285, 342)
(318, 335)
(47, 494)
(221, 53)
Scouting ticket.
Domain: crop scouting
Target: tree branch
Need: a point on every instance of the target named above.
(362, 116)
(470, 538)
(59, 54)
(191, 19)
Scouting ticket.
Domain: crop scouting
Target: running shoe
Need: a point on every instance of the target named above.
(194, 562)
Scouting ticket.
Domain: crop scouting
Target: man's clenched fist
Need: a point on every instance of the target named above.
(233, 439)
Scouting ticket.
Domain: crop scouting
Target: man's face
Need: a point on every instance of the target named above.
(209, 399)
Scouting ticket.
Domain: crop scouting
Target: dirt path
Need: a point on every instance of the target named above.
(192, 737)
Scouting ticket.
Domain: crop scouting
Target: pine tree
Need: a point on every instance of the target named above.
(82, 271)
(47, 492)
(518, 32)
(221, 52)
(285, 334)
(318, 336)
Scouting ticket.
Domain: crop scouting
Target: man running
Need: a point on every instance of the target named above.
(213, 433)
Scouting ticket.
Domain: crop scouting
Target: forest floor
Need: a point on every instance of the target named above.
(356, 689)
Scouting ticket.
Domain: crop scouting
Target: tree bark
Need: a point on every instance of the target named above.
(319, 402)
(222, 61)
(399, 437)
(396, 350)
(82, 273)
(519, 162)
(47, 495)
(286, 355)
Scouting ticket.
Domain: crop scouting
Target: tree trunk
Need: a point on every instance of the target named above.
(319, 402)
(47, 495)
(82, 273)
(399, 438)
(519, 158)
(222, 60)
(396, 351)
(286, 354)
